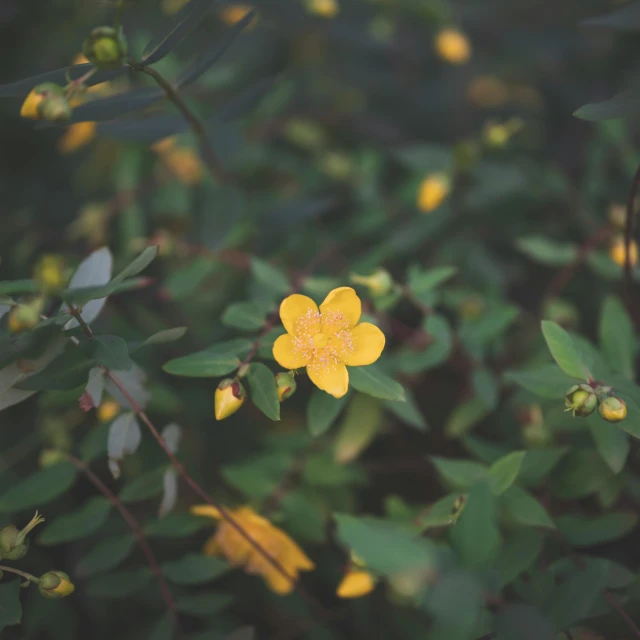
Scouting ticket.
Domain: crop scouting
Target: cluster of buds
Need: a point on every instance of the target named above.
(582, 400)
(13, 541)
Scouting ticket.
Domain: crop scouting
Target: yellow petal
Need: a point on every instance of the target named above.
(345, 301)
(368, 343)
(290, 555)
(286, 355)
(77, 136)
(333, 379)
(206, 510)
(212, 547)
(277, 582)
(356, 584)
(30, 105)
(295, 307)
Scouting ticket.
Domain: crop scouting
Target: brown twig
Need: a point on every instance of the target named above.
(216, 168)
(629, 224)
(139, 535)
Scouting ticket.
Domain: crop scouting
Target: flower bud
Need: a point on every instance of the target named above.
(108, 410)
(379, 282)
(46, 101)
(50, 457)
(613, 409)
(355, 584)
(23, 317)
(497, 135)
(55, 585)
(581, 400)
(229, 398)
(453, 46)
(617, 251)
(13, 542)
(50, 273)
(106, 47)
(432, 191)
(287, 385)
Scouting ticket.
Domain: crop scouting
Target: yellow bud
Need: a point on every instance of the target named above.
(77, 136)
(50, 273)
(106, 47)
(453, 46)
(323, 8)
(613, 409)
(47, 101)
(379, 282)
(356, 584)
(55, 585)
(432, 192)
(108, 410)
(497, 135)
(286, 384)
(25, 316)
(617, 251)
(229, 397)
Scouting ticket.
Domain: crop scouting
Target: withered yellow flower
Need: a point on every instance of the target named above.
(453, 46)
(326, 340)
(618, 253)
(355, 584)
(433, 191)
(239, 552)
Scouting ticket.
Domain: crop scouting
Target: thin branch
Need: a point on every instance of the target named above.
(629, 225)
(216, 168)
(22, 574)
(127, 516)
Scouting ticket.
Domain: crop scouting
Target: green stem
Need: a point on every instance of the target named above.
(217, 170)
(83, 325)
(26, 576)
(117, 21)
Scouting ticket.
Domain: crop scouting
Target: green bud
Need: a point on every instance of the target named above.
(55, 585)
(613, 409)
(13, 542)
(55, 109)
(287, 385)
(581, 400)
(106, 47)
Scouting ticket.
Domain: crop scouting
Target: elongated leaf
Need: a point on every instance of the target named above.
(85, 294)
(269, 277)
(10, 607)
(68, 371)
(361, 424)
(459, 474)
(10, 287)
(264, 392)
(209, 57)
(107, 554)
(110, 351)
(582, 531)
(119, 584)
(215, 361)
(322, 411)
(248, 316)
(194, 569)
(39, 488)
(548, 381)
(117, 105)
(145, 486)
(564, 351)
(546, 251)
(21, 88)
(617, 336)
(408, 411)
(167, 335)
(180, 27)
(374, 382)
(465, 417)
(73, 526)
(519, 552)
(612, 443)
(503, 473)
(521, 507)
(140, 263)
(621, 105)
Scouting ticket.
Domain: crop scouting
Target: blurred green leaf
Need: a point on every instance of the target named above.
(612, 443)
(564, 351)
(412, 361)
(621, 105)
(503, 473)
(545, 251)
(67, 371)
(626, 18)
(269, 277)
(361, 424)
(322, 411)
(10, 607)
(84, 522)
(440, 513)
(519, 552)
(524, 509)
(259, 476)
(140, 263)
(465, 417)
(106, 555)
(617, 336)
(117, 105)
(248, 316)
(215, 361)
(165, 336)
(206, 604)
(371, 381)
(548, 381)
(264, 391)
(522, 622)
(110, 351)
(175, 525)
(458, 474)
(583, 531)
(408, 411)
(194, 569)
(118, 584)
(485, 386)
(580, 474)
(145, 486)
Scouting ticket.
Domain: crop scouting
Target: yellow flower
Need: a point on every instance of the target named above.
(77, 136)
(233, 13)
(185, 165)
(239, 552)
(50, 273)
(618, 254)
(453, 46)
(324, 340)
(432, 192)
(355, 584)
(108, 410)
(323, 8)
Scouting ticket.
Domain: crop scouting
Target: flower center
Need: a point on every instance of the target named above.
(320, 340)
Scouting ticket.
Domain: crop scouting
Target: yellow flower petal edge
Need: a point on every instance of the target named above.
(335, 380)
(284, 351)
(343, 301)
(368, 343)
(206, 510)
(296, 310)
(356, 584)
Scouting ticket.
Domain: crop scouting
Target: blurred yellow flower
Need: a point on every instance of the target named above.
(453, 46)
(498, 134)
(355, 584)
(487, 91)
(433, 191)
(30, 106)
(328, 339)
(184, 163)
(233, 13)
(239, 552)
(323, 8)
(618, 254)
(108, 410)
(77, 136)
(50, 273)
(91, 224)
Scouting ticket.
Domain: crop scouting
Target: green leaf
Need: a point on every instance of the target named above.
(548, 381)
(625, 18)
(475, 536)
(373, 382)
(572, 600)
(545, 251)
(118, 584)
(264, 391)
(106, 555)
(538, 463)
(485, 386)
(422, 282)
(411, 361)
(137, 265)
(258, 476)
(270, 277)
(206, 604)
(522, 508)
(407, 411)
(522, 622)
(10, 607)
(79, 524)
(464, 417)
(361, 424)
(175, 525)
(480, 334)
(248, 316)
(580, 474)
(110, 351)
(146, 486)
(194, 568)
(503, 473)
(621, 105)
(385, 548)
(612, 443)
(440, 513)
(9, 287)
(617, 336)
(519, 552)
(582, 531)
(322, 411)
(66, 372)
(215, 361)
(83, 295)
(167, 335)
(458, 474)
(564, 351)
(181, 25)
(39, 488)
